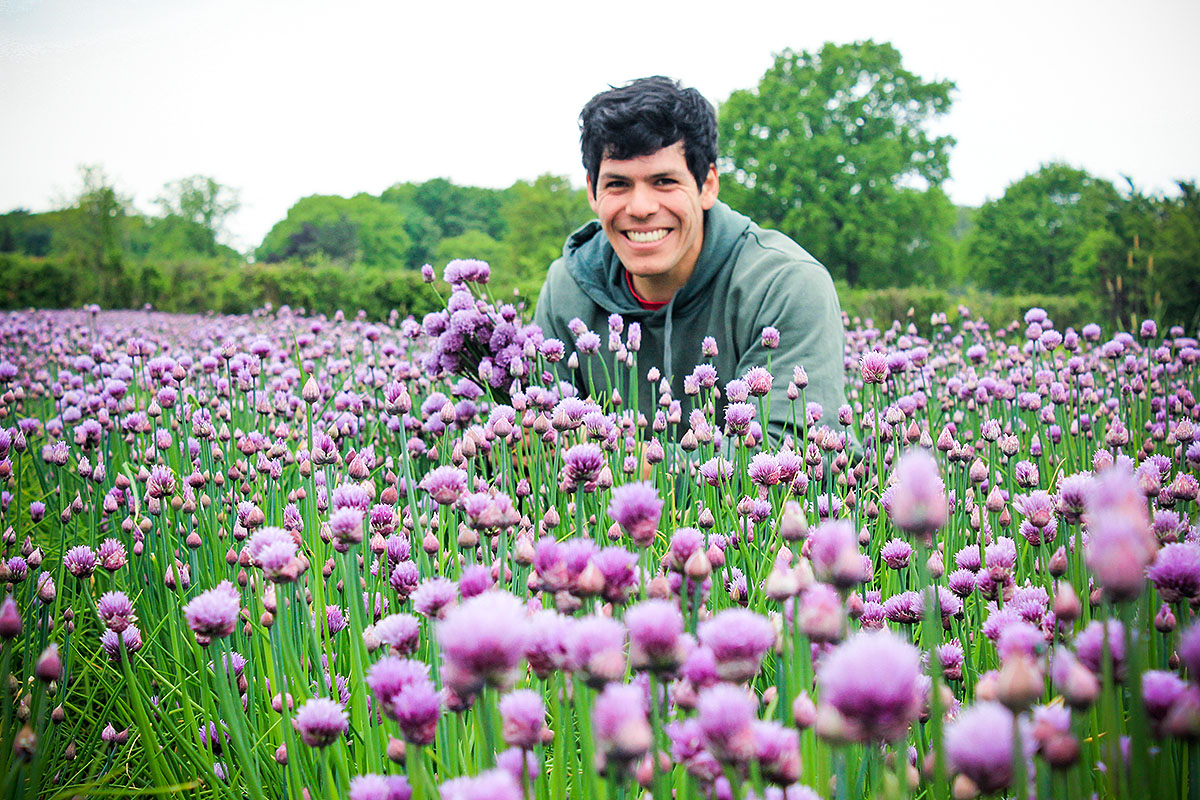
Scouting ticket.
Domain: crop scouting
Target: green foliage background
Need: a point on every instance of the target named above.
(835, 147)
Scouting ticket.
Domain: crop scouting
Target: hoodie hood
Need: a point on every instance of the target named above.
(594, 265)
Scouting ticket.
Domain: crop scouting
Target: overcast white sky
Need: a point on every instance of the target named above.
(287, 99)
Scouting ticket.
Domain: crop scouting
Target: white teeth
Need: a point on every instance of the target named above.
(646, 236)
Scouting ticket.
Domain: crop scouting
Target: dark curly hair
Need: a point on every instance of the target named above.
(644, 116)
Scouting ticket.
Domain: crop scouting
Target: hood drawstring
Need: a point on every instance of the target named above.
(668, 347)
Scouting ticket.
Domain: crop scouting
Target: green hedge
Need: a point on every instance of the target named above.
(229, 286)
(201, 284)
(884, 305)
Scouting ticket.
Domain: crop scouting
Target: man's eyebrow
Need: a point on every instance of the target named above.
(609, 175)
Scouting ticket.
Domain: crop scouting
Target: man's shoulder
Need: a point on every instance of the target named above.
(561, 297)
(769, 255)
(559, 280)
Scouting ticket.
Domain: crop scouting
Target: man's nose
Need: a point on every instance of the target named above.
(642, 201)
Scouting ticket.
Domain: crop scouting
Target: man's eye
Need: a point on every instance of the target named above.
(666, 181)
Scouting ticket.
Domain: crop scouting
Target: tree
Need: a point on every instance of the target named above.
(360, 229)
(202, 201)
(1027, 240)
(539, 217)
(832, 148)
(439, 209)
(97, 242)
(478, 245)
(1177, 269)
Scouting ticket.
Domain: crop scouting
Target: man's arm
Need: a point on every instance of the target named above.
(800, 301)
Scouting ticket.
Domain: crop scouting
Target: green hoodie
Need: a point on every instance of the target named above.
(745, 279)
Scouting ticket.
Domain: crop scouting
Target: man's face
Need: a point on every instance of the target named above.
(653, 214)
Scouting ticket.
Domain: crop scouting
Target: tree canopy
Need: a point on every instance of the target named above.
(834, 148)
(1027, 239)
(362, 229)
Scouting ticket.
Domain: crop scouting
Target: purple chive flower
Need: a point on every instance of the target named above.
(961, 582)
(588, 342)
(979, 744)
(388, 676)
(758, 381)
(833, 550)
(873, 367)
(433, 597)
(381, 787)
(80, 561)
(320, 722)
(726, 715)
(482, 641)
(582, 464)
(595, 646)
(918, 502)
(738, 417)
(464, 270)
(445, 484)
(873, 682)
(968, 558)
(655, 635)
(129, 640)
(1089, 647)
(351, 495)
(213, 614)
(904, 608)
(274, 550)
(111, 554)
(738, 639)
(404, 579)
(896, 553)
(822, 617)
(417, 708)
(637, 508)
(763, 470)
(777, 751)
(115, 610)
(619, 720)
(1160, 690)
(1020, 639)
(1121, 544)
(545, 646)
(475, 579)
(1189, 652)
(522, 764)
(716, 471)
(770, 337)
(1073, 492)
(951, 657)
(495, 784)
(524, 715)
(401, 632)
(161, 482)
(1176, 572)
(616, 564)
(346, 525)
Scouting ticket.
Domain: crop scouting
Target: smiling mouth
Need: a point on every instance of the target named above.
(647, 237)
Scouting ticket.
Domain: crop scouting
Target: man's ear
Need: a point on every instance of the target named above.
(712, 185)
(591, 194)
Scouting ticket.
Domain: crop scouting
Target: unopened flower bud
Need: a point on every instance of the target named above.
(49, 665)
(396, 750)
(697, 567)
(804, 712)
(1066, 603)
(1164, 620)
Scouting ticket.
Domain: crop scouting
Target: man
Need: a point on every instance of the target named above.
(685, 266)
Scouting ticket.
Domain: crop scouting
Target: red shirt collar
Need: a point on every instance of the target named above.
(649, 305)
